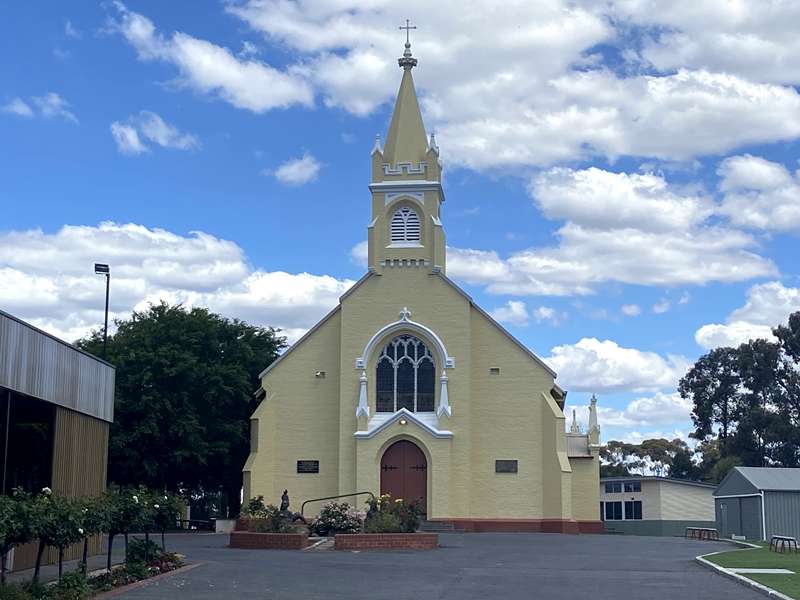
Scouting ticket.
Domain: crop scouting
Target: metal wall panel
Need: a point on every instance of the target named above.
(80, 462)
(782, 513)
(35, 363)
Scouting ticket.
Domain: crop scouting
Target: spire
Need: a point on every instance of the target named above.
(406, 140)
(574, 428)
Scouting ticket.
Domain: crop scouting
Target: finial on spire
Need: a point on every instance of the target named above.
(408, 62)
(377, 146)
(574, 428)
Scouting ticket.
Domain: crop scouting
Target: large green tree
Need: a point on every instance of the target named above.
(747, 399)
(184, 396)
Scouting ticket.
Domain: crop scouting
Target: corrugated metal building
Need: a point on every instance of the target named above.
(56, 407)
(646, 505)
(758, 502)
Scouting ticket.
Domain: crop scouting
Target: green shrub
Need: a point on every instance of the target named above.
(387, 516)
(143, 551)
(382, 522)
(270, 520)
(14, 592)
(73, 586)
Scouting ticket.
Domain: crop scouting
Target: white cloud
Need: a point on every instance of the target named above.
(53, 285)
(759, 194)
(359, 253)
(148, 125)
(52, 106)
(513, 313)
(549, 314)
(495, 103)
(18, 107)
(757, 40)
(127, 139)
(593, 365)
(662, 306)
(298, 171)
(631, 310)
(71, 31)
(605, 200)
(768, 305)
(205, 67)
(647, 411)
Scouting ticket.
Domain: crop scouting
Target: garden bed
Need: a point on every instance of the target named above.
(386, 541)
(252, 540)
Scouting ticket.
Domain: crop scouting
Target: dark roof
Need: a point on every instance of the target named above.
(655, 478)
(770, 478)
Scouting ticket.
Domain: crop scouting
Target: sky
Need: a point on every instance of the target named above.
(622, 177)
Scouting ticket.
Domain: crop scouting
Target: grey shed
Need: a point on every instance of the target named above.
(758, 502)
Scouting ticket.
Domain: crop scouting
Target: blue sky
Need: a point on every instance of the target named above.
(621, 182)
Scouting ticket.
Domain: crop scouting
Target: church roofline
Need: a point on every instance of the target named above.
(302, 338)
(491, 319)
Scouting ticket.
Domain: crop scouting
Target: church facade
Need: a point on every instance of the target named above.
(407, 387)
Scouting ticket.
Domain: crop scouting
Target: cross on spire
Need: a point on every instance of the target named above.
(408, 29)
(408, 62)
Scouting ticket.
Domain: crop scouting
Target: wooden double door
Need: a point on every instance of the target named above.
(404, 473)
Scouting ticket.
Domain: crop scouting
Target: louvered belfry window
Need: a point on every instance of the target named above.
(405, 376)
(405, 228)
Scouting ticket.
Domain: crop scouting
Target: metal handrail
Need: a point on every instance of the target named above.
(303, 505)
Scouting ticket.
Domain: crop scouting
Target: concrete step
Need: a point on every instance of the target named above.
(437, 527)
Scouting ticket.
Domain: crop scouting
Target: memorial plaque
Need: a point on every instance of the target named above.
(308, 466)
(505, 466)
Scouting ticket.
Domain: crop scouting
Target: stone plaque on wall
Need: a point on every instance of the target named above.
(308, 466)
(505, 466)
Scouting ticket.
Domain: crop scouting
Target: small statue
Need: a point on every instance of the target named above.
(285, 501)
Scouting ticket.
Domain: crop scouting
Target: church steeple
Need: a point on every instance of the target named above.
(406, 230)
(406, 140)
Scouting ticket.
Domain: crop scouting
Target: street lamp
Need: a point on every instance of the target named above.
(103, 269)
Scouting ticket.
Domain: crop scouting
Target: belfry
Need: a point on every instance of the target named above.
(407, 387)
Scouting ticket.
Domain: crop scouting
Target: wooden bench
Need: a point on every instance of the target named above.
(783, 540)
(701, 533)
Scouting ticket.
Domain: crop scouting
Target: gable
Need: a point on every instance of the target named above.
(499, 327)
(735, 484)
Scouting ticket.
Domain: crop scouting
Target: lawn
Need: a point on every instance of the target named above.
(762, 558)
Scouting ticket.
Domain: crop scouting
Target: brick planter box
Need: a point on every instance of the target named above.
(251, 540)
(386, 541)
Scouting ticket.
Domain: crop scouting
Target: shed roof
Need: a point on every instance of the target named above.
(769, 478)
(657, 479)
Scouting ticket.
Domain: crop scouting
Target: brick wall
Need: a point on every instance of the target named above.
(262, 541)
(386, 541)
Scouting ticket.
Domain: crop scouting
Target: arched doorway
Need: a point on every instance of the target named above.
(404, 473)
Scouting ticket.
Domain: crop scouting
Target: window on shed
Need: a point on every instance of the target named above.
(613, 487)
(633, 510)
(613, 511)
(633, 486)
(405, 227)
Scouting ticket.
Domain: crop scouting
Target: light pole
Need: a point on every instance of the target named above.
(103, 269)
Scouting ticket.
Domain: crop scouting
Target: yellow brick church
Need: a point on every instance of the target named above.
(408, 387)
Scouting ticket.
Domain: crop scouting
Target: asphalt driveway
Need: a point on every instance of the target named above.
(467, 566)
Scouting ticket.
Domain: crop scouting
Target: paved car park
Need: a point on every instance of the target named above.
(467, 566)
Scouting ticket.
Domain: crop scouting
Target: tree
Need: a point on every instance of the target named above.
(712, 384)
(94, 521)
(658, 456)
(184, 395)
(57, 522)
(16, 525)
(747, 401)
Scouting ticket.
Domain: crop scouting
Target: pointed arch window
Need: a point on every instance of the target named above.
(405, 376)
(405, 227)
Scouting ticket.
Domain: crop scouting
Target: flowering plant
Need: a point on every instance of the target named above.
(338, 518)
(387, 516)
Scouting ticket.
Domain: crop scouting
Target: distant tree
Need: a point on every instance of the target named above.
(657, 456)
(184, 395)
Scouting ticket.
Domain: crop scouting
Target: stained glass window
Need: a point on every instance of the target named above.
(405, 376)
